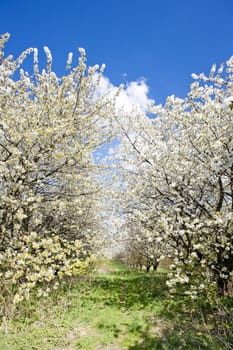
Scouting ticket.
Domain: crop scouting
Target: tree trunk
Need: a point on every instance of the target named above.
(222, 286)
(155, 265)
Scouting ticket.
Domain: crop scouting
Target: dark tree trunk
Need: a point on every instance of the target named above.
(222, 286)
(155, 265)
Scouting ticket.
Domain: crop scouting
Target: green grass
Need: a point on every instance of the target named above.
(113, 309)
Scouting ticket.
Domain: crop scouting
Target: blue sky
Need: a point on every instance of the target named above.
(163, 41)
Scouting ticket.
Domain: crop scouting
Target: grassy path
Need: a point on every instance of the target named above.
(114, 309)
(119, 311)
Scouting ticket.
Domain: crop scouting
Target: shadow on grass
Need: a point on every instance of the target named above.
(169, 342)
(149, 342)
(172, 336)
(180, 326)
(128, 289)
(137, 290)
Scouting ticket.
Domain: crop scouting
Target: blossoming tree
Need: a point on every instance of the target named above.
(179, 176)
(49, 129)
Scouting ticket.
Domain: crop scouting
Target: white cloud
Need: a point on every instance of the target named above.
(133, 95)
(104, 85)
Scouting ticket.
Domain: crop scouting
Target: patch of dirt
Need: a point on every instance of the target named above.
(160, 327)
(104, 269)
(72, 336)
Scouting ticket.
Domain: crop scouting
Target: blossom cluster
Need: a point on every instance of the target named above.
(34, 261)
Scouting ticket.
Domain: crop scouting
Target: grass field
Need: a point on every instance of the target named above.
(113, 309)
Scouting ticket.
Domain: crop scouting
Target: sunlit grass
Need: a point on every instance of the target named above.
(113, 308)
